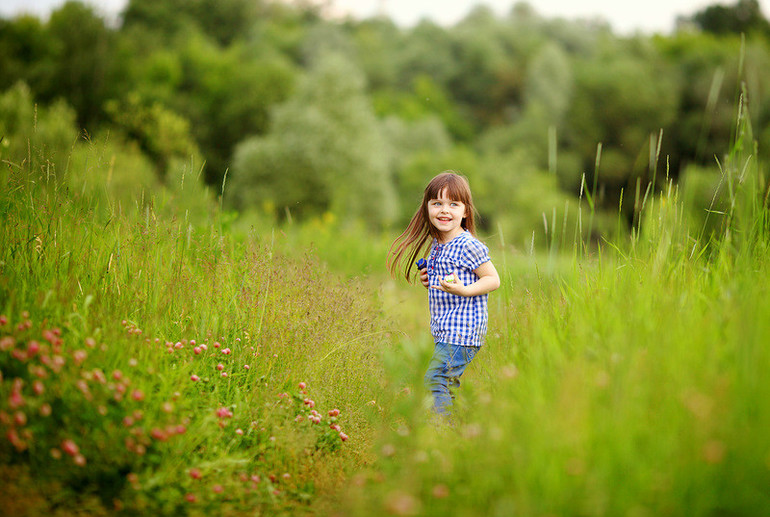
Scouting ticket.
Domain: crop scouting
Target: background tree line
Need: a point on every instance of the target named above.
(300, 115)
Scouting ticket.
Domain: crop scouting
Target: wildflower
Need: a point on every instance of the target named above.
(79, 460)
(343, 437)
(99, 376)
(79, 356)
(3, 320)
(334, 412)
(128, 421)
(137, 395)
(226, 351)
(224, 374)
(246, 366)
(239, 431)
(302, 385)
(194, 378)
(58, 362)
(180, 429)
(83, 387)
(33, 347)
(220, 367)
(216, 344)
(255, 478)
(69, 447)
(20, 418)
(117, 375)
(400, 503)
(195, 473)
(132, 362)
(440, 491)
(286, 475)
(197, 350)
(6, 343)
(204, 347)
(218, 489)
(15, 400)
(167, 407)
(90, 342)
(178, 345)
(159, 434)
(190, 498)
(45, 409)
(223, 412)
(15, 440)
(336, 427)
(309, 402)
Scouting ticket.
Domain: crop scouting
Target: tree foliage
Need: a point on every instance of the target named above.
(308, 114)
(325, 152)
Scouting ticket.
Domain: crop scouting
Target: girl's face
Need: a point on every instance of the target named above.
(446, 215)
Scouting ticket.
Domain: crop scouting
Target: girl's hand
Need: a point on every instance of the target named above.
(451, 284)
(424, 277)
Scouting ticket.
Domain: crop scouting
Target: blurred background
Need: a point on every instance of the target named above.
(338, 113)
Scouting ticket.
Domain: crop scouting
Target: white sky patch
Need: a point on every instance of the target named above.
(624, 16)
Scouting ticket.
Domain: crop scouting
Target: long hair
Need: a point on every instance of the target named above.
(413, 241)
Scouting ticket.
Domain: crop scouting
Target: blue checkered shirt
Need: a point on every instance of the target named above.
(454, 319)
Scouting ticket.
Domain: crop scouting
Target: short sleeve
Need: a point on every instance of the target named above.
(475, 254)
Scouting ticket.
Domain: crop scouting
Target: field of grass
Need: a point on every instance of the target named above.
(155, 361)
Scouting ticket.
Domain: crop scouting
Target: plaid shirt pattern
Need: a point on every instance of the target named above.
(454, 319)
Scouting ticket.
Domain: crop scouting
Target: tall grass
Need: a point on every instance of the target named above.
(159, 357)
(630, 383)
(152, 365)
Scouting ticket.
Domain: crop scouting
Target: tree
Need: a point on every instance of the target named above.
(27, 54)
(623, 97)
(35, 137)
(222, 20)
(325, 152)
(83, 58)
(744, 16)
(161, 134)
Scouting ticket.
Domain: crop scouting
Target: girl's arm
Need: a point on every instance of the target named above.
(488, 281)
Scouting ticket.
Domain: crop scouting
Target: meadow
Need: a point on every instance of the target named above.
(165, 357)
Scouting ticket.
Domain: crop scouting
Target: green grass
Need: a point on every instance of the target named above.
(618, 378)
(627, 380)
(116, 304)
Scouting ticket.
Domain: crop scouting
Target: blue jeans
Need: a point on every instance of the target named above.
(446, 366)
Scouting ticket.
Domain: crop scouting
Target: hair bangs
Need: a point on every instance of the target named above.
(454, 186)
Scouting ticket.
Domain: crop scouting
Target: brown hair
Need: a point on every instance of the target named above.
(411, 243)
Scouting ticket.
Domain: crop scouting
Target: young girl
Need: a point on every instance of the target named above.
(459, 277)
